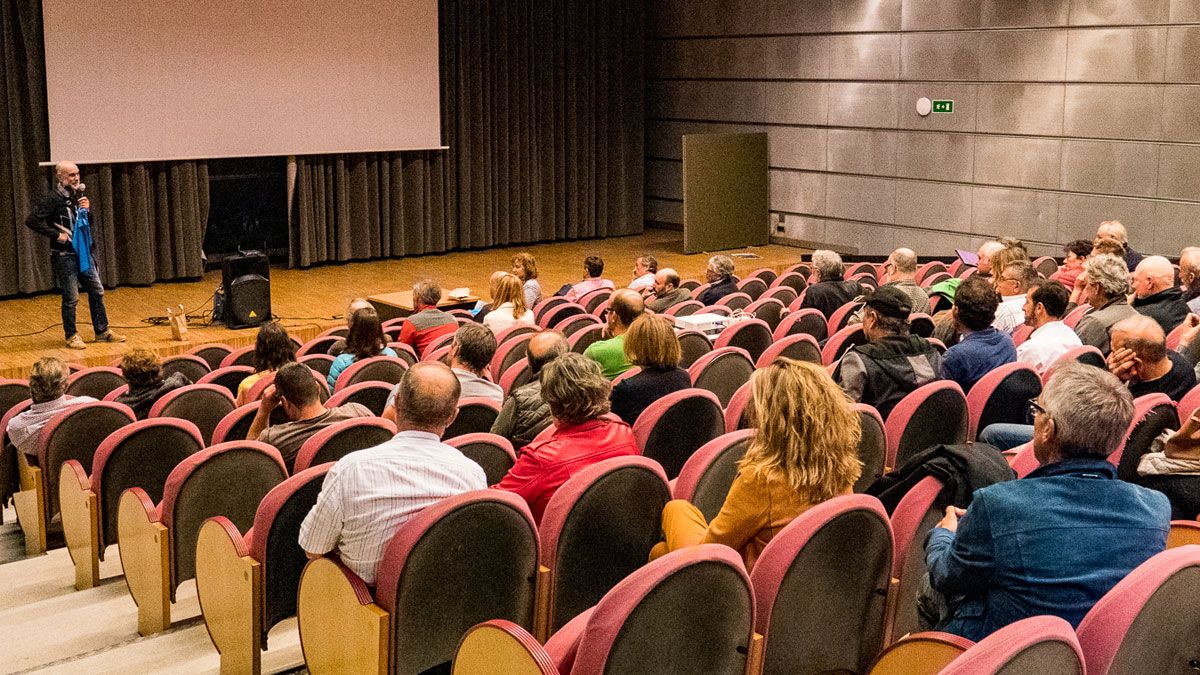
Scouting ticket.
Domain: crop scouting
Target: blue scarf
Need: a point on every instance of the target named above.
(81, 239)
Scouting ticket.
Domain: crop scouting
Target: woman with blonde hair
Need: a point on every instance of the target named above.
(524, 267)
(805, 452)
(651, 344)
(508, 305)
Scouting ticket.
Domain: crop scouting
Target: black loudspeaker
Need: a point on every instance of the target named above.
(246, 280)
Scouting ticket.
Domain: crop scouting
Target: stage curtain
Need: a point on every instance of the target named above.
(149, 218)
(542, 109)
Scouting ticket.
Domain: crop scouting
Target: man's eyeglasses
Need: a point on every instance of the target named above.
(1035, 408)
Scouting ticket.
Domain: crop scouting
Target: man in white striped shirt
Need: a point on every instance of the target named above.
(370, 493)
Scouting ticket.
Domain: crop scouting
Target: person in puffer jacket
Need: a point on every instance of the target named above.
(524, 414)
(893, 363)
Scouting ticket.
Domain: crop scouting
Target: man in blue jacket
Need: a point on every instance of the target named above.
(1057, 540)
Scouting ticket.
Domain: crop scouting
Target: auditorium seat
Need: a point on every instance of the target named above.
(319, 364)
(515, 331)
(157, 542)
(966, 272)
(1039, 644)
(723, 310)
(840, 318)
(673, 427)
(692, 346)
(931, 414)
(560, 311)
(573, 324)
(805, 321)
(242, 356)
(204, 405)
(752, 335)
(753, 287)
(699, 290)
(793, 280)
(955, 267)
(545, 305)
(375, 369)
(475, 415)
(1023, 461)
(921, 324)
(586, 337)
(318, 345)
(708, 474)
(769, 310)
(872, 446)
(1002, 396)
(691, 611)
(193, 367)
(722, 371)
(924, 653)
(1072, 318)
(783, 294)
(1149, 621)
(73, 434)
(737, 411)
(685, 308)
(597, 529)
(854, 269)
(1045, 266)
(494, 453)
(12, 392)
(96, 381)
(509, 352)
(342, 438)
(735, 301)
(935, 279)
(917, 513)
(440, 342)
(236, 424)
(1176, 334)
(1021, 334)
(767, 275)
(247, 583)
(1085, 354)
(518, 375)
(1152, 415)
(1183, 533)
(821, 588)
(866, 280)
(841, 342)
(691, 285)
(931, 267)
(801, 347)
(229, 377)
(462, 561)
(592, 300)
(405, 352)
(141, 454)
(373, 395)
(213, 353)
(440, 354)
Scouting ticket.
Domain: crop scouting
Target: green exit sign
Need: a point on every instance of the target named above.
(943, 106)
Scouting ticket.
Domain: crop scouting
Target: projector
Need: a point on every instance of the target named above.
(709, 324)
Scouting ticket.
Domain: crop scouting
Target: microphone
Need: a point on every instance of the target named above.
(79, 190)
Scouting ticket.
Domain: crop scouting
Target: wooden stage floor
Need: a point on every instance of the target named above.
(309, 301)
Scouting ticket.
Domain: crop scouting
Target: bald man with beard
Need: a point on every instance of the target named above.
(1156, 294)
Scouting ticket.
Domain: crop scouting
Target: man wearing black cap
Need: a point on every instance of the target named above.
(893, 363)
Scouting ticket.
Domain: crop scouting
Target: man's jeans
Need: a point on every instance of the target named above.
(69, 280)
(1006, 436)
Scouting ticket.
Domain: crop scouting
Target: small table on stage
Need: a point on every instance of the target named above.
(395, 305)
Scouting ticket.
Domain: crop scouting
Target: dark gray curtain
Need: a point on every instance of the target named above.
(149, 218)
(542, 109)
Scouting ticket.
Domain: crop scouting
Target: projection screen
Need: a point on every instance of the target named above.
(146, 80)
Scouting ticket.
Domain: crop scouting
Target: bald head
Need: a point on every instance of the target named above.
(985, 252)
(1112, 229)
(626, 305)
(1189, 270)
(1143, 335)
(544, 347)
(1153, 275)
(904, 263)
(427, 399)
(67, 173)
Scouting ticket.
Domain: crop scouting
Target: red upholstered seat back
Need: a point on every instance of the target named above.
(800, 346)
(722, 371)
(840, 342)
(672, 428)
(692, 346)
(373, 395)
(475, 415)
(204, 405)
(1039, 644)
(338, 440)
(375, 369)
(510, 351)
(752, 335)
(1152, 415)
(494, 453)
(193, 367)
(1002, 396)
(708, 474)
(212, 353)
(913, 518)
(95, 382)
(932, 414)
(76, 433)
(242, 356)
(229, 377)
(769, 310)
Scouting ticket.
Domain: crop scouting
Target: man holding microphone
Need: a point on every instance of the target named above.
(64, 218)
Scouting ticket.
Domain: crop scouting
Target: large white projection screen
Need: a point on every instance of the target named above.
(144, 80)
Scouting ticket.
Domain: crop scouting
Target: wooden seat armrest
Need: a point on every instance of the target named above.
(144, 545)
(501, 647)
(342, 630)
(229, 587)
(925, 653)
(81, 522)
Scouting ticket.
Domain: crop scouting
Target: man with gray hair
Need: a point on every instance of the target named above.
(1140, 358)
(721, 283)
(525, 413)
(1156, 294)
(1189, 276)
(1103, 285)
(427, 323)
(644, 269)
(48, 391)
(1114, 230)
(986, 250)
(901, 271)
(831, 290)
(370, 493)
(1057, 540)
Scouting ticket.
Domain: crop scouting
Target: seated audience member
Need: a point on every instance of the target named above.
(593, 266)
(508, 305)
(831, 290)
(1173, 468)
(368, 494)
(1012, 283)
(1189, 276)
(983, 348)
(1155, 292)
(142, 370)
(665, 293)
(1141, 359)
(273, 347)
(1057, 540)
(482, 309)
(1108, 247)
(48, 391)
(427, 323)
(469, 358)
(524, 267)
(644, 269)
(299, 393)
(1045, 306)
(577, 394)
(719, 275)
(901, 273)
(1077, 252)
(525, 414)
(1105, 281)
(650, 344)
(986, 250)
(893, 363)
(336, 349)
(805, 452)
(1113, 230)
(626, 306)
(365, 340)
